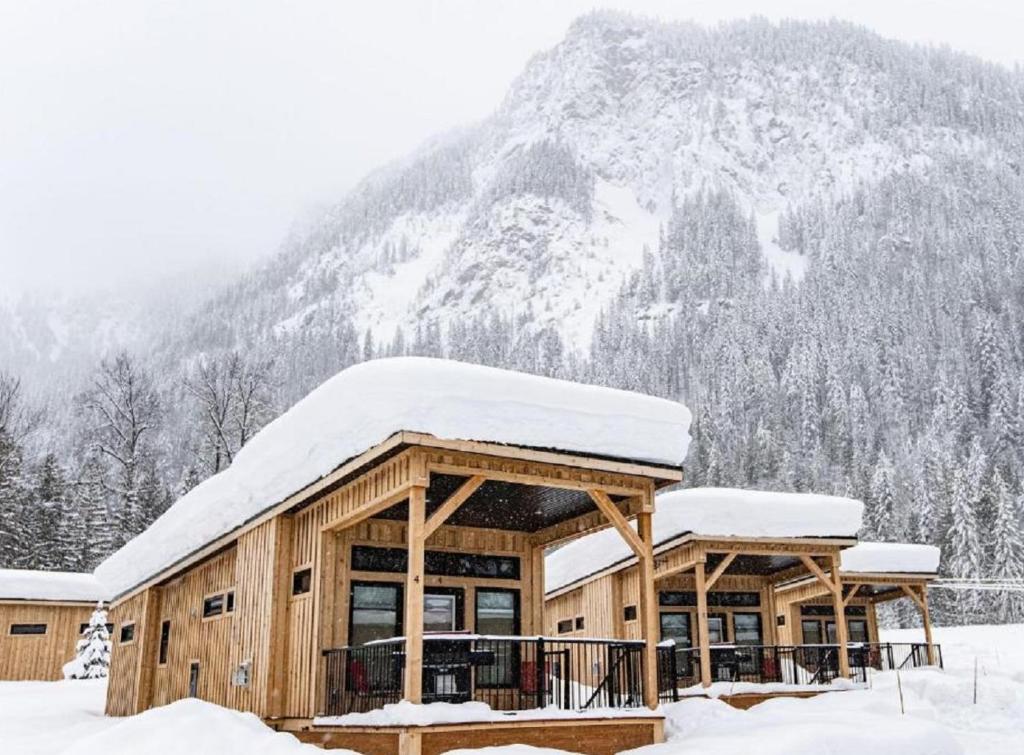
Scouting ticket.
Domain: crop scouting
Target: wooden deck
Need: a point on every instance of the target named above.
(589, 736)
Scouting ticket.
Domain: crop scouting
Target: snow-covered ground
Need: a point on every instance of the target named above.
(66, 718)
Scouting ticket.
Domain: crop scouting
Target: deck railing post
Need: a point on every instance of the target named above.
(674, 665)
(888, 654)
(540, 682)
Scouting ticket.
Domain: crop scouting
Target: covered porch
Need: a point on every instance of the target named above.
(434, 594)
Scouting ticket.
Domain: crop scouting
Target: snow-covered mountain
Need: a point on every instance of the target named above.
(543, 210)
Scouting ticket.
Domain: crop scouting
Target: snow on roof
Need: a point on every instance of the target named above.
(25, 584)
(710, 512)
(366, 404)
(890, 558)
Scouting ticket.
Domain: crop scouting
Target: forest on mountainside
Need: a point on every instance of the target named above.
(892, 370)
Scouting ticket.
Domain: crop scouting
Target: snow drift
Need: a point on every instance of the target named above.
(365, 404)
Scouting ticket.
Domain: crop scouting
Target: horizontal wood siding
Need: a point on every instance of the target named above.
(39, 656)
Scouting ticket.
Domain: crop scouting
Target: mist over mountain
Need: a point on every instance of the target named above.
(810, 234)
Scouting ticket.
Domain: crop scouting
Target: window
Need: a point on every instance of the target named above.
(302, 581)
(688, 599)
(213, 606)
(565, 626)
(497, 613)
(857, 630)
(229, 602)
(165, 638)
(746, 628)
(629, 613)
(676, 626)
(28, 628)
(394, 560)
(127, 633)
(811, 631)
(375, 612)
(716, 629)
(193, 679)
(438, 613)
(83, 627)
(780, 620)
(579, 623)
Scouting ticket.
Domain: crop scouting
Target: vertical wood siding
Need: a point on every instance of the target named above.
(39, 656)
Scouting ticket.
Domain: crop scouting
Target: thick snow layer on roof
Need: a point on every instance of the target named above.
(24, 584)
(365, 404)
(890, 558)
(709, 512)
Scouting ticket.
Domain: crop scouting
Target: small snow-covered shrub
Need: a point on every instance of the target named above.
(92, 654)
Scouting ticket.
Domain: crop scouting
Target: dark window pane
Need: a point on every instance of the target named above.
(629, 613)
(28, 628)
(497, 614)
(676, 626)
(716, 629)
(213, 606)
(127, 632)
(394, 561)
(230, 601)
(746, 628)
(858, 630)
(565, 626)
(375, 612)
(811, 631)
(165, 639)
(579, 623)
(302, 581)
(677, 598)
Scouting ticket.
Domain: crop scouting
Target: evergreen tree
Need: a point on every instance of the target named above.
(1007, 551)
(92, 653)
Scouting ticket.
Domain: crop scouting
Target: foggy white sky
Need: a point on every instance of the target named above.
(144, 138)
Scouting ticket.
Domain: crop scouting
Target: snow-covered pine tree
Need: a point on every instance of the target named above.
(1007, 551)
(880, 518)
(92, 653)
(962, 550)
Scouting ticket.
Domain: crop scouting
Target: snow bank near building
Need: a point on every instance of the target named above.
(189, 727)
(405, 713)
(836, 723)
(25, 584)
(366, 404)
(711, 512)
(890, 558)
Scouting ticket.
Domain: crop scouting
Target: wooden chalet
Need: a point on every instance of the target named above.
(42, 617)
(870, 573)
(733, 571)
(384, 541)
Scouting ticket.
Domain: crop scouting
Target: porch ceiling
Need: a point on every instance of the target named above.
(753, 565)
(503, 505)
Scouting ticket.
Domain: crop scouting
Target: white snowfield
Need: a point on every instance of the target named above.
(710, 512)
(66, 718)
(24, 584)
(366, 404)
(890, 558)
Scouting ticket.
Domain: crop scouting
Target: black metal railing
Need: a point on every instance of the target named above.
(507, 673)
(803, 665)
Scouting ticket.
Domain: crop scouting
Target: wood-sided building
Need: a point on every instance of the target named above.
(383, 540)
(42, 617)
(733, 571)
(871, 574)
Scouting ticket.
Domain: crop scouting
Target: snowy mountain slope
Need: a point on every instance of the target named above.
(545, 208)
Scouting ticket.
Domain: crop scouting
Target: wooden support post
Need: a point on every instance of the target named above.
(414, 596)
(703, 640)
(842, 636)
(648, 609)
(536, 608)
(927, 621)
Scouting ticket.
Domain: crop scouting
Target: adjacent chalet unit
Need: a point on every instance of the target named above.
(384, 540)
(42, 617)
(871, 573)
(735, 571)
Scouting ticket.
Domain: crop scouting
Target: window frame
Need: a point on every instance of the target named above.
(302, 573)
(130, 625)
(399, 602)
(212, 597)
(513, 671)
(165, 642)
(564, 626)
(26, 625)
